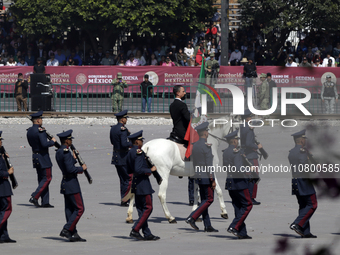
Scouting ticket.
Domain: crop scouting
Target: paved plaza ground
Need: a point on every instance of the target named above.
(103, 223)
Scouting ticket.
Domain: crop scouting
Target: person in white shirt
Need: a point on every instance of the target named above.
(290, 63)
(326, 59)
(52, 61)
(140, 58)
(235, 57)
(11, 62)
(189, 51)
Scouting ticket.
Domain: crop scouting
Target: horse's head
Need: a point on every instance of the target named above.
(221, 127)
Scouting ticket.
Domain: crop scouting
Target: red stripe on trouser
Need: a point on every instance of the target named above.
(205, 206)
(146, 213)
(310, 212)
(129, 186)
(7, 212)
(80, 206)
(49, 178)
(249, 207)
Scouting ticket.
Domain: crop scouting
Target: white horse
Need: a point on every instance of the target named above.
(166, 157)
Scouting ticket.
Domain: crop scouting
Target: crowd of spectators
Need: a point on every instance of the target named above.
(318, 48)
(168, 50)
(315, 49)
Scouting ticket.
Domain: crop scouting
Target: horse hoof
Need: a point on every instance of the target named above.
(224, 216)
(173, 221)
(129, 221)
(199, 220)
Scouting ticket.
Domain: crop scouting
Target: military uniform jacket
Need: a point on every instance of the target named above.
(300, 186)
(118, 137)
(212, 64)
(118, 87)
(138, 166)
(180, 117)
(5, 186)
(66, 163)
(264, 91)
(248, 141)
(37, 139)
(235, 180)
(202, 158)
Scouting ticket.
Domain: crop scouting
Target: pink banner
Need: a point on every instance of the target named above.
(98, 78)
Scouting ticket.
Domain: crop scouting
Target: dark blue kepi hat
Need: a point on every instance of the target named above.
(247, 113)
(37, 115)
(1, 136)
(66, 134)
(122, 114)
(232, 135)
(203, 126)
(301, 133)
(138, 135)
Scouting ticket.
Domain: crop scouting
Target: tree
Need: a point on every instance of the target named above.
(284, 16)
(106, 19)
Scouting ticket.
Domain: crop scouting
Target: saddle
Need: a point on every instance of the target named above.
(181, 144)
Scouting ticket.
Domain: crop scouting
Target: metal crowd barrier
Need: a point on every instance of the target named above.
(70, 98)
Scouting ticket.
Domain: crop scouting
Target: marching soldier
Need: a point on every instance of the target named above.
(250, 149)
(302, 188)
(237, 184)
(118, 93)
(329, 95)
(141, 187)
(212, 69)
(119, 139)
(74, 205)
(5, 198)
(37, 139)
(202, 159)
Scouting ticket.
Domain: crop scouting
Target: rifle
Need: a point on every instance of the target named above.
(9, 165)
(262, 151)
(254, 176)
(81, 162)
(311, 158)
(155, 173)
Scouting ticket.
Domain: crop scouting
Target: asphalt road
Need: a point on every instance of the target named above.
(103, 223)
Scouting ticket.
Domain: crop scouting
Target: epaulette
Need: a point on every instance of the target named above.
(208, 144)
(139, 151)
(41, 129)
(302, 150)
(236, 150)
(122, 128)
(66, 150)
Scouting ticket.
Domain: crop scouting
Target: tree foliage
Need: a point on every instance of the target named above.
(106, 19)
(284, 16)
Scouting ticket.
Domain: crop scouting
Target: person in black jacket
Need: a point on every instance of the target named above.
(37, 139)
(302, 187)
(20, 93)
(146, 90)
(70, 188)
(180, 116)
(118, 138)
(5, 198)
(138, 166)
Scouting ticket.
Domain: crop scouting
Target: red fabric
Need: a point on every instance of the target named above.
(7, 212)
(146, 213)
(89, 77)
(49, 178)
(212, 31)
(310, 212)
(80, 206)
(249, 207)
(191, 136)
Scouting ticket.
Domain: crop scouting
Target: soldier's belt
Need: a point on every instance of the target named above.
(67, 176)
(39, 152)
